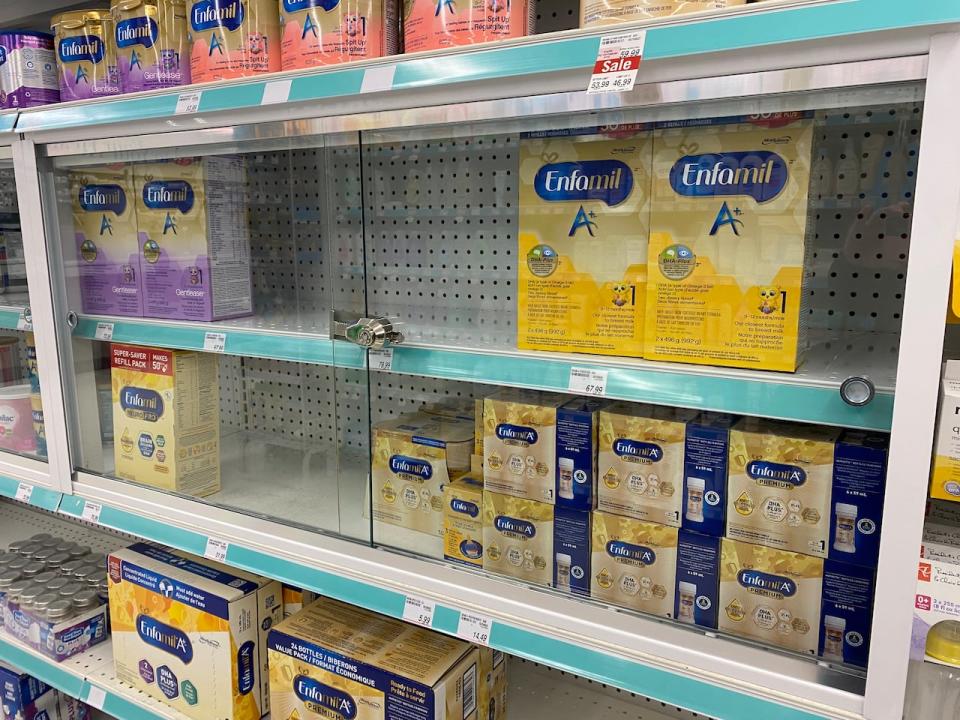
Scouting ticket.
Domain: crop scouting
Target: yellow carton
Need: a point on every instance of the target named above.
(492, 693)
(634, 563)
(770, 595)
(333, 661)
(727, 243)
(190, 633)
(166, 418)
(520, 443)
(640, 461)
(781, 484)
(945, 482)
(584, 206)
(463, 522)
(518, 538)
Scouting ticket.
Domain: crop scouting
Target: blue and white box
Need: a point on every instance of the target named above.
(846, 613)
(706, 452)
(698, 579)
(859, 478)
(571, 547)
(577, 453)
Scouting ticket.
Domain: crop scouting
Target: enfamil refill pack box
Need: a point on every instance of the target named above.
(463, 521)
(728, 222)
(333, 661)
(518, 538)
(640, 461)
(105, 229)
(189, 634)
(194, 238)
(519, 443)
(584, 205)
(166, 418)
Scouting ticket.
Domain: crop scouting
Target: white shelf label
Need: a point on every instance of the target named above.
(188, 102)
(475, 628)
(216, 549)
(104, 331)
(276, 91)
(25, 321)
(91, 511)
(381, 359)
(24, 492)
(214, 342)
(96, 697)
(587, 381)
(419, 611)
(378, 78)
(618, 60)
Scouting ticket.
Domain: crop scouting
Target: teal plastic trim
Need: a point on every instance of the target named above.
(119, 707)
(747, 396)
(8, 121)
(41, 497)
(10, 318)
(46, 670)
(296, 348)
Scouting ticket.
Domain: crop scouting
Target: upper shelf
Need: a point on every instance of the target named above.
(773, 22)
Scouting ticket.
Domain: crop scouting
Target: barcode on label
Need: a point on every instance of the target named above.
(469, 691)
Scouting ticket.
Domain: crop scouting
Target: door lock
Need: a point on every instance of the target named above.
(371, 333)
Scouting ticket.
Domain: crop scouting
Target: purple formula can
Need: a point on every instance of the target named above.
(86, 54)
(151, 40)
(28, 70)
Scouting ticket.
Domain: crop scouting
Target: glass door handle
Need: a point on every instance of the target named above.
(372, 333)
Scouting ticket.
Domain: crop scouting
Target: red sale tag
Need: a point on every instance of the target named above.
(616, 65)
(618, 59)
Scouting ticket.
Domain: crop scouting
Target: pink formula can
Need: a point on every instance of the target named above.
(435, 24)
(16, 419)
(327, 32)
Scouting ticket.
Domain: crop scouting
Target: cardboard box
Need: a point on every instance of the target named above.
(705, 461)
(936, 611)
(578, 424)
(463, 521)
(492, 690)
(945, 478)
(572, 546)
(698, 579)
(333, 660)
(518, 538)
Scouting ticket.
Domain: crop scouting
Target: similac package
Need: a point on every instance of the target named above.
(584, 213)
(463, 521)
(519, 443)
(634, 563)
(233, 38)
(780, 486)
(105, 232)
(945, 478)
(166, 418)
(595, 13)
(728, 223)
(518, 538)
(151, 39)
(437, 24)
(189, 633)
(705, 460)
(640, 461)
(320, 32)
(333, 661)
(414, 456)
(194, 238)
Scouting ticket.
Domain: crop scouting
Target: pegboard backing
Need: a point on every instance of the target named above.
(555, 15)
(8, 191)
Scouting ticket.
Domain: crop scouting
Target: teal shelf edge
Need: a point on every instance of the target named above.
(46, 670)
(10, 319)
(295, 348)
(40, 497)
(8, 121)
(747, 395)
(712, 34)
(119, 707)
(702, 697)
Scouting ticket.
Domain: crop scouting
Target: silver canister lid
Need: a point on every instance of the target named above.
(44, 577)
(44, 553)
(57, 583)
(8, 577)
(71, 566)
(40, 537)
(59, 610)
(65, 546)
(71, 589)
(44, 601)
(57, 560)
(19, 564)
(86, 600)
(35, 568)
(78, 551)
(29, 594)
(7, 558)
(13, 592)
(17, 545)
(29, 550)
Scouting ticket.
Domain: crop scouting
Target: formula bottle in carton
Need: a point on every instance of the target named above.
(194, 238)
(634, 563)
(105, 232)
(151, 39)
(727, 242)
(86, 54)
(781, 484)
(584, 207)
(463, 521)
(166, 418)
(320, 32)
(596, 13)
(436, 24)
(770, 595)
(233, 38)
(518, 538)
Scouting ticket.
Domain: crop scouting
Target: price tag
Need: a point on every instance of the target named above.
(96, 697)
(419, 611)
(24, 492)
(104, 331)
(618, 60)
(475, 628)
(587, 381)
(188, 102)
(25, 321)
(216, 549)
(91, 511)
(381, 359)
(214, 342)
(276, 91)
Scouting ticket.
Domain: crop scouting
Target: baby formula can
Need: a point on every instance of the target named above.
(28, 70)
(151, 38)
(233, 38)
(86, 54)
(594, 13)
(435, 24)
(327, 32)
(16, 419)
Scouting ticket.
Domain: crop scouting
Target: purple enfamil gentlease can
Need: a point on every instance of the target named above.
(28, 70)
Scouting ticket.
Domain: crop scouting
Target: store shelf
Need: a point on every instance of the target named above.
(29, 493)
(517, 62)
(8, 121)
(15, 311)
